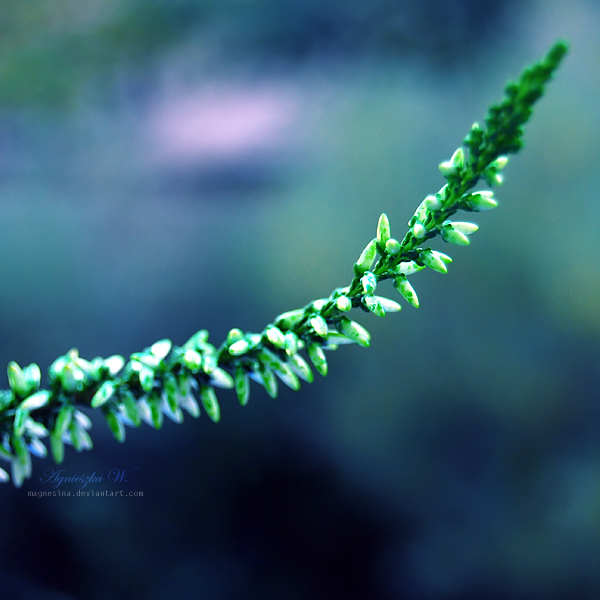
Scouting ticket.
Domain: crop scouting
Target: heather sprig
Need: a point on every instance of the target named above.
(166, 380)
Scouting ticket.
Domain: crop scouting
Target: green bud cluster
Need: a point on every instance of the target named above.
(166, 380)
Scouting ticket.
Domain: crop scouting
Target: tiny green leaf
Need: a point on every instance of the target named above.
(63, 419)
(21, 416)
(242, 385)
(317, 356)
(130, 406)
(301, 367)
(210, 403)
(57, 447)
(115, 425)
(154, 405)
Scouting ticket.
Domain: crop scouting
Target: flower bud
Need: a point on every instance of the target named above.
(146, 375)
(419, 231)
(383, 229)
(499, 163)
(37, 448)
(80, 438)
(72, 378)
(192, 359)
(319, 325)
(274, 335)
(238, 348)
(389, 305)
(493, 178)
(221, 378)
(435, 260)
(21, 416)
(17, 380)
(408, 268)
(454, 236)
(36, 429)
(197, 340)
(242, 385)
(481, 201)
(129, 404)
(432, 203)
(464, 227)
(104, 393)
(114, 364)
(373, 304)
(354, 331)
(267, 379)
(392, 246)
(234, 335)
(317, 356)
(36, 400)
(57, 447)
(365, 260)
(291, 343)
(454, 165)
(288, 320)
(301, 367)
(343, 303)
(406, 290)
(368, 282)
(188, 403)
(161, 348)
(115, 425)
(154, 402)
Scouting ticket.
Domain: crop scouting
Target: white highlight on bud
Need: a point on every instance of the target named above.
(239, 347)
(432, 203)
(419, 231)
(161, 348)
(343, 303)
(392, 246)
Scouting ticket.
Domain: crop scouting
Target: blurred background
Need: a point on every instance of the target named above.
(167, 166)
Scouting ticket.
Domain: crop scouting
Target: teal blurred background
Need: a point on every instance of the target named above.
(171, 166)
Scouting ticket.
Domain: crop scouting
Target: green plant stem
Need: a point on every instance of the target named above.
(164, 379)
